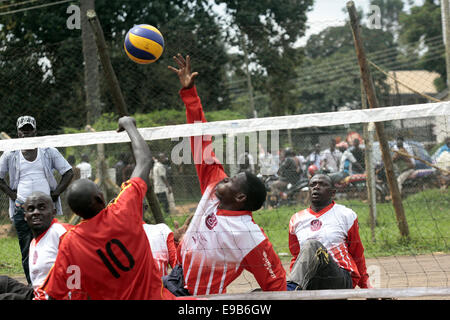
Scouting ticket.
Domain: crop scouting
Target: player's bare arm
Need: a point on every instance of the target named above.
(140, 148)
(187, 78)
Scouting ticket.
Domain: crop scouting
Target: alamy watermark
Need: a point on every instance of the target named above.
(374, 19)
(227, 149)
(74, 19)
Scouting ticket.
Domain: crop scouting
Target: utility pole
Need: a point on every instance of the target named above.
(117, 96)
(249, 78)
(445, 12)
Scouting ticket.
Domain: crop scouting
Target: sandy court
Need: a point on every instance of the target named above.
(431, 270)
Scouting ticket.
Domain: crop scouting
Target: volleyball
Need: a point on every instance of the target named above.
(144, 44)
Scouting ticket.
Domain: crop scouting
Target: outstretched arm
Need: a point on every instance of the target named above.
(140, 148)
(209, 169)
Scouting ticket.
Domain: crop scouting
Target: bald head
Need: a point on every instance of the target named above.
(39, 212)
(85, 198)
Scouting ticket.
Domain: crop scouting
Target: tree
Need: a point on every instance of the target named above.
(390, 11)
(423, 26)
(35, 36)
(269, 30)
(329, 77)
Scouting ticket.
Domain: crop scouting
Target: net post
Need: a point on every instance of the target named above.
(117, 95)
(373, 103)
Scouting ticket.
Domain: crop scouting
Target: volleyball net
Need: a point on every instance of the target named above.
(302, 94)
(393, 263)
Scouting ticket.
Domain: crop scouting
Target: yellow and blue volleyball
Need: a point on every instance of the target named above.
(144, 44)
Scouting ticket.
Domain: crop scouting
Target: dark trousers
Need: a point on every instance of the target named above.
(11, 289)
(24, 235)
(162, 198)
(315, 269)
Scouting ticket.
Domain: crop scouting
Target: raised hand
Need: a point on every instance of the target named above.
(187, 78)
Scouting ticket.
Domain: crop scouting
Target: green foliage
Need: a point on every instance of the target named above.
(269, 30)
(423, 25)
(329, 76)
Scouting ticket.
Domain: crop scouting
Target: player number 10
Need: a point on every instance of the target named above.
(114, 258)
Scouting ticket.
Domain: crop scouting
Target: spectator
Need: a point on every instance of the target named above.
(246, 163)
(85, 167)
(314, 157)
(348, 165)
(330, 158)
(266, 162)
(161, 184)
(444, 148)
(358, 153)
(119, 166)
(404, 162)
(289, 171)
(30, 171)
(75, 169)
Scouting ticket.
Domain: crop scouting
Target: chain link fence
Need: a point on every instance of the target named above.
(48, 81)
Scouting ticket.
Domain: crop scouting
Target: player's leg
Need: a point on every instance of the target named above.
(315, 269)
(11, 289)
(24, 235)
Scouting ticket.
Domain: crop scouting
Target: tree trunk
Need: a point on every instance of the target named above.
(91, 70)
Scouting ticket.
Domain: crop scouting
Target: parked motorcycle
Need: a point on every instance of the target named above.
(293, 193)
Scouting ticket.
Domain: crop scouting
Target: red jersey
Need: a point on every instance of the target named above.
(219, 244)
(108, 256)
(336, 227)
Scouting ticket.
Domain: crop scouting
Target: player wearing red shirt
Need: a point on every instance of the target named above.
(107, 255)
(325, 244)
(222, 239)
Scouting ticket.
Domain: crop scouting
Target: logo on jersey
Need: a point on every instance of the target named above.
(211, 221)
(316, 225)
(35, 257)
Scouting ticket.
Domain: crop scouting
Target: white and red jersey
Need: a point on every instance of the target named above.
(160, 238)
(42, 254)
(219, 244)
(336, 227)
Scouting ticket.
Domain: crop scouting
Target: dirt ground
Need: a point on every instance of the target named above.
(431, 270)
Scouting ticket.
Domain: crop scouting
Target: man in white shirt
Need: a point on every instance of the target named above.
(30, 171)
(160, 183)
(85, 167)
(40, 214)
(330, 158)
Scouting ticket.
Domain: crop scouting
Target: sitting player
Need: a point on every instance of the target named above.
(222, 239)
(107, 255)
(40, 214)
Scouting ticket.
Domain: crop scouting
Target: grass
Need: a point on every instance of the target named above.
(427, 214)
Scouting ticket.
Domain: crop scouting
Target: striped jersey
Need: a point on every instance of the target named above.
(160, 238)
(336, 227)
(42, 254)
(219, 244)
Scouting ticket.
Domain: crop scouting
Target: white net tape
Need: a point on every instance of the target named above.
(439, 109)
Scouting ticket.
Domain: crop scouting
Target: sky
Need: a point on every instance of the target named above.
(326, 13)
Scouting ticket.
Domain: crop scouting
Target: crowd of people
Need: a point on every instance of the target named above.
(113, 254)
(343, 159)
